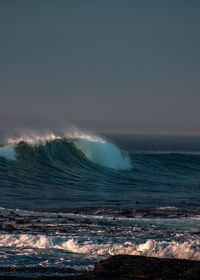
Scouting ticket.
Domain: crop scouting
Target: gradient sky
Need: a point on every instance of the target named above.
(123, 66)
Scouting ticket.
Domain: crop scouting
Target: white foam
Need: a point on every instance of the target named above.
(26, 240)
(77, 134)
(162, 249)
(34, 138)
(152, 248)
(8, 152)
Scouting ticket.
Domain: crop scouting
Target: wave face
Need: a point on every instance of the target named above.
(71, 148)
(103, 153)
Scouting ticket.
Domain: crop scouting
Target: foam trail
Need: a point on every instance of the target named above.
(8, 152)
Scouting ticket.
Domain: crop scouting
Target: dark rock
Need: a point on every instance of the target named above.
(21, 222)
(43, 229)
(11, 219)
(155, 214)
(147, 215)
(125, 212)
(10, 228)
(124, 267)
(138, 267)
(104, 223)
(137, 202)
(35, 227)
(86, 221)
(12, 213)
(71, 219)
(196, 232)
(130, 216)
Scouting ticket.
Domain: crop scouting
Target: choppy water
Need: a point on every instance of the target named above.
(70, 199)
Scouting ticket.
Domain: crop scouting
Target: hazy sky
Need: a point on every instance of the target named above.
(126, 66)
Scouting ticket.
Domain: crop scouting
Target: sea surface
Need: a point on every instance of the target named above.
(70, 199)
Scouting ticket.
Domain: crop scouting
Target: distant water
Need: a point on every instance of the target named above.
(70, 199)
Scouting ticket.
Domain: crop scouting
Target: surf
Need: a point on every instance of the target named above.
(76, 146)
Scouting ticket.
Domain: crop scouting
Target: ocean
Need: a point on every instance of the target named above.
(70, 199)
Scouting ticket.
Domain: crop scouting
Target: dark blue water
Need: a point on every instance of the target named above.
(75, 198)
(163, 170)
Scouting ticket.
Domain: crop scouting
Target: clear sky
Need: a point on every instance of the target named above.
(123, 66)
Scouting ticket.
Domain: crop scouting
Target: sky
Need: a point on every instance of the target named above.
(129, 66)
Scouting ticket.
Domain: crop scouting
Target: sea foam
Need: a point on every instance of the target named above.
(152, 248)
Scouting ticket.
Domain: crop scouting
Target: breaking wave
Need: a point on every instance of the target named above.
(73, 148)
(152, 248)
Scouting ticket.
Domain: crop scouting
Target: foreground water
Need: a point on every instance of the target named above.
(68, 200)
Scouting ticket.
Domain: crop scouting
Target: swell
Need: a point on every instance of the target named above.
(59, 171)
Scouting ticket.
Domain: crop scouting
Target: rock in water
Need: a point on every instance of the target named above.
(139, 267)
(125, 267)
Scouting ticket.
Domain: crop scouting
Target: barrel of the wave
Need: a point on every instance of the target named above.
(103, 153)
